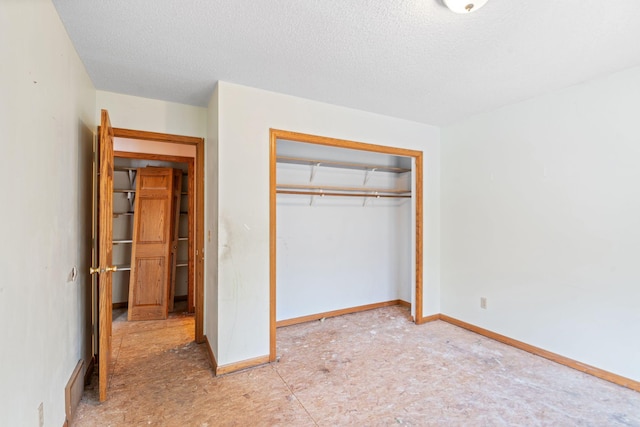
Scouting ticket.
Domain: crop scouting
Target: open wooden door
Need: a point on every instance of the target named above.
(105, 268)
(149, 285)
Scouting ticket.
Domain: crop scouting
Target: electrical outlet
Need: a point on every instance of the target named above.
(483, 302)
(41, 414)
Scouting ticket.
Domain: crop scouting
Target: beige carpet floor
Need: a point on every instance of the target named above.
(373, 368)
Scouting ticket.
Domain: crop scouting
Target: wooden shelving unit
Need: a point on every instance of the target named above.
(125, 180)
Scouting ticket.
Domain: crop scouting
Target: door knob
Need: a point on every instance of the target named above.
(112, 268)
(94, 270)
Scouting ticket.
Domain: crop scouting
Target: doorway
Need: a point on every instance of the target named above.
(312, 191)
(169, 144)
(150, 146)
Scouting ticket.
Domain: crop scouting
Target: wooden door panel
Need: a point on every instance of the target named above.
(151, 249)
(148, 293)
(152, 270)
(155, 182)
(105, 207)
(152, 231)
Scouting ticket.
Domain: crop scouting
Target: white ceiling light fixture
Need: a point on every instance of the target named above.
(464, 6)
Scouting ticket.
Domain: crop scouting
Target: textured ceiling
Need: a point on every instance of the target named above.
(412, 59)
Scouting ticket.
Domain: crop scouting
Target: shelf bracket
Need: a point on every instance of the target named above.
(366, 199)
(131, 198)
(131, 195)
(132, 176)
(313, 171)
(367, 175)
(321, 194)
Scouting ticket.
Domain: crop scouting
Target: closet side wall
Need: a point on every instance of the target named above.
(245, 117)
(211, 226)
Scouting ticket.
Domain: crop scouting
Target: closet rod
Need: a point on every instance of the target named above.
(317, 193)
(337, 188)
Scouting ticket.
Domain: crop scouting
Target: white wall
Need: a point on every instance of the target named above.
(211, 225)
(337, 253)
(245, 116)
(47, 105)
(540, 209)
(152, 115)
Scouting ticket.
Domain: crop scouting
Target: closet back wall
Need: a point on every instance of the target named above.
(336, 253)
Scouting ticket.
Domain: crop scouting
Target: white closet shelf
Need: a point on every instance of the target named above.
(123, 190)
(127, 267)
(129, 241)
(122, 241)
(323, 188)
(117, 214)
(337, 164)
(333, 194)
(135, 169)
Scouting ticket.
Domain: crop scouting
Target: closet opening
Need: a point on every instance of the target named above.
(132, 150)
(345, 228)
(129, 212)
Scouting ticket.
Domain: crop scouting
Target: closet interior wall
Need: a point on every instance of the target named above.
(339, 252)
(123, 199)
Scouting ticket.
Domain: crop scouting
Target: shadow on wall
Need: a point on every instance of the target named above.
(84, 210)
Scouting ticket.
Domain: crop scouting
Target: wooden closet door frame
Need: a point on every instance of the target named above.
(196, 206)
(274, 135)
